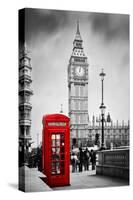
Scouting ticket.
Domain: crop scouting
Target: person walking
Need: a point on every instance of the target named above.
(76, 161)
(86, 159)
(93, 159)
(80, 160)
(73, 162)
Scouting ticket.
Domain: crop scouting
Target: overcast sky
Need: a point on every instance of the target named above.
(50, 35)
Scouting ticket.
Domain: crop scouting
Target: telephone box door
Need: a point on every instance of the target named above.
(57, 153)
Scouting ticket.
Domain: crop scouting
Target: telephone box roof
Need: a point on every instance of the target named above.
(56, 117)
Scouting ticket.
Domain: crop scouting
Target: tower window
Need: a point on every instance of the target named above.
(25, 70)
(77, 90)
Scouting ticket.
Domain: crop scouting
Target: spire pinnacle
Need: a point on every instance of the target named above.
(78, 36)
(78, 27)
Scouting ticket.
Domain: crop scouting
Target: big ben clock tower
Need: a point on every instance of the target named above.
(78, 92)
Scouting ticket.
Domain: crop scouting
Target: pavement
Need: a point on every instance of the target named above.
(78, 180)
(89, 179)
(30, 180)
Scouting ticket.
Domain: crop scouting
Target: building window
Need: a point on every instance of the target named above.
(76, 119)
(26, 98)
(21, 130)
(81, 91)
(25, 71)
(81, 105)
(81, 119)
(76, 90)
(21, 85)
(76, 105)
(108, 131)
(27, 131)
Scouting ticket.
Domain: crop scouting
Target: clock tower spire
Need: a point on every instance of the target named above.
(78, 92)
(78, 27)
(78, 36)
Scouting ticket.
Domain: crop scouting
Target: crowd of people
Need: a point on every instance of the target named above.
(82, 160)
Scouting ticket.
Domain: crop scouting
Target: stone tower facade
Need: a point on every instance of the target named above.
(78, 92)
(25, 106)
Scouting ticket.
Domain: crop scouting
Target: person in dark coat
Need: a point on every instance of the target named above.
(86, 159)
(39, 157)
(81, 156)
(93, 159)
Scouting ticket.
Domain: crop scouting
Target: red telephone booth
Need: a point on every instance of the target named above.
(56, 149)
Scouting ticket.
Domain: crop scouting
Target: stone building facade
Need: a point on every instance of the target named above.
(115, 134)
(25, 106)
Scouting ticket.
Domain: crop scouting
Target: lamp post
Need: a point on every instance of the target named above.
(102, 107)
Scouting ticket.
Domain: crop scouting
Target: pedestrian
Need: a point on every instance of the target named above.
(86, 159)
(93, 159)
(73, 162)
(80, 159)
(76, 161)
(40, 159)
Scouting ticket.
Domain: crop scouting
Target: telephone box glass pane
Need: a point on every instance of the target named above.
(57, 150)
(62, 136)
(57, 167)
(57, 136)
(62, 156)
(53, 166)
(53, 136)
(53, 150)
(62, 143)
(55, 157)
(62, 149)
(53, 143)
(57, 143)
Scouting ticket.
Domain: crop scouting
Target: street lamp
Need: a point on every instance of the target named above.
(102, 107)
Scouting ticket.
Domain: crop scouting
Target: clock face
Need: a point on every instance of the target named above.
(80, 71)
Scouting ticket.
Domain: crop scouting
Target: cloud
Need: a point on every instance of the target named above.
(49, 36)
(125, 60)
(41, 22)
(110, 26)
